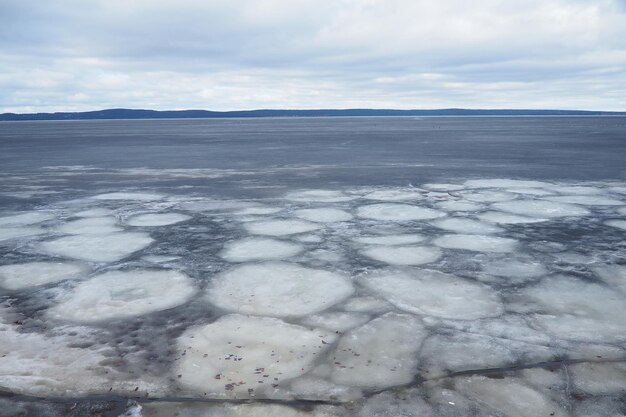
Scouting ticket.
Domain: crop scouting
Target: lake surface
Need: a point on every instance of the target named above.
(314, 267)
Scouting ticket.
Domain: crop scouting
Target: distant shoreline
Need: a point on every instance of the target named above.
(134, 114)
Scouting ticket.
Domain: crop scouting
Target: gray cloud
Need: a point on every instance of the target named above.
(234, 54)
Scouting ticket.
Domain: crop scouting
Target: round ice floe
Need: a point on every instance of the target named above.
(323, 215)
(336, 321)
(403, 255)
(241, 356)
(509, 396)
(27, 218)
(477, 243)
(530, 191)
(586, 200)
(277, 289)
(258, 211)
(121, 294)
(19, 276)
(280, 227)
(574, 309)
(461, 225)
(620, 224)
(576, 189)
(505, 183)
(323, 196)
(98, 248)
(393, 195)
(514, 271)
(157, 219)
(216, 206)
(128, 196)
(389, 240)
(541, 209)
(7, 233)
(397, 212)
(433, 293)
(444, 187)
(90, 226)
(94, 212)
(379, 354)
(488, 196)
(367, 305)
(456, 205)
(259, 249)
(506, 218)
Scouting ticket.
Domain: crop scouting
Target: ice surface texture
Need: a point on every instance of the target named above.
(486, 297)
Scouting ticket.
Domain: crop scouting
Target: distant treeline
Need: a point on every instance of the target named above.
(205, 114)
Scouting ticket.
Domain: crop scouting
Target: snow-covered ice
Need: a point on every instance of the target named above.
(242, 356)
(434, 293)
(157, 219)
(123, 294)
(323, 215)
(478, 243)
(19, 276)
(259, 249)
(397, 212)
(280, 227)
(98, 248)
(403, 255)
(277, 289)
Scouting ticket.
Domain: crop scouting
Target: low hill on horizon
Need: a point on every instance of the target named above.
(125, 114)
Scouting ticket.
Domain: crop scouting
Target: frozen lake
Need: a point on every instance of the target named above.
(314, 267)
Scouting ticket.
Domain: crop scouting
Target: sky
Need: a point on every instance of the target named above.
(79, 55)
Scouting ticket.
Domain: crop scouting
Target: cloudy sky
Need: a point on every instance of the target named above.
(74, 55)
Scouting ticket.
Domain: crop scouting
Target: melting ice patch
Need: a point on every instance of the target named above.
(397, 212)
(94, 212)
(98, 248)
(280, 227)
(541, 209)
(27, 218)
(379, 354)
(403, 255)
(19, 276)
(259, 249)
(468, 226)
(434, 293)
(122, 294)
(477, 243)
(7, 233)
(157, 219)
(322, 196)
(242, 356)
(323, 215)
(90, 226)
(277, 289)
(390, 240)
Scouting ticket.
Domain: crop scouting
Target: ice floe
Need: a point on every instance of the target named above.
(443, 187)
(322, 196)
(585, 200)
(90, 226)
(128, 196)
(258, 211)
(390, 240)
(323, 215)
(19, 276)
(541, 209)
(242, 357)
(403, 255)
(619, 224)
(277, 289)
(24, 219)
(259, 249)
(488, 196)
(94, 212)
(123, 294)
(397, 212)
(336, 320)
(280, 227)
(468, 226)
(507, 218)
(614, 275)
(459, 205)
(366, 304)
(7, 233)
(477, 243)
(515, 271)
(599, 378)
(505, 183)
(157, 219)
(98, 248)
(434, 293)
(379, 354)
(393, 195)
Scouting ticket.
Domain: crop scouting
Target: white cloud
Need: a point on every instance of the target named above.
(244, 54)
